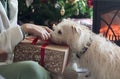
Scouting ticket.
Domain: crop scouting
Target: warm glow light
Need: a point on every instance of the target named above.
(110, 35)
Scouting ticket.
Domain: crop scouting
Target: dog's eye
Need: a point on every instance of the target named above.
(59, 32)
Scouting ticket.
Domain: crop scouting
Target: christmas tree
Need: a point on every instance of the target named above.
(44, 12)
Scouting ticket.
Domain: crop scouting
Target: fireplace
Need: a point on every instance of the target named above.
(106, 19)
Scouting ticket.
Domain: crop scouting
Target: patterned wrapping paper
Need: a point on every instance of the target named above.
(55, 58)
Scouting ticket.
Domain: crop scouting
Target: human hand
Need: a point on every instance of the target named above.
(42, 32)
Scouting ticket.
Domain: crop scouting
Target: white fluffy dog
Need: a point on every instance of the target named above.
(100, 56)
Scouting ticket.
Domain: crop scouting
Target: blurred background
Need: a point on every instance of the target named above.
(47, 12)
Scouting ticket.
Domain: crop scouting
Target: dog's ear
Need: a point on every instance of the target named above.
(75, 29)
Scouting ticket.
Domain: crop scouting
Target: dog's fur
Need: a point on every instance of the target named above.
(102, 57)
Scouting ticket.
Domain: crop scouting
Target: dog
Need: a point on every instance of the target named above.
(96, 53)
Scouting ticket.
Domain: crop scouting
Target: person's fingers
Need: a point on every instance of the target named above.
(48, 29)
(42, 32)
(46, 36)
(43, 37)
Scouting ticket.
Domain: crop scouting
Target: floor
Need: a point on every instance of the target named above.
(70, 74)
(74, 75)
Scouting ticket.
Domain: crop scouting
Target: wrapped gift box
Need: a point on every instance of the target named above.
(3, 56)
(50, 56)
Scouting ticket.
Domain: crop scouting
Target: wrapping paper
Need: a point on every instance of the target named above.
(52, 57)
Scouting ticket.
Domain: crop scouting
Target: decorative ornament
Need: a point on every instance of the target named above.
(67, 1)
(62, 11)
(29, 2)
(77, 12)
(73, 1)
(90, 3)
(57, 5)
(32, 8)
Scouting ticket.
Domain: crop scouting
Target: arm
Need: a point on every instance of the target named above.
(42, 32)
(10, 38)
(11, 34)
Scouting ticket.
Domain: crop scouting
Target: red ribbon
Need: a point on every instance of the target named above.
(3, 56)
(34, 41)
(42, 52)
